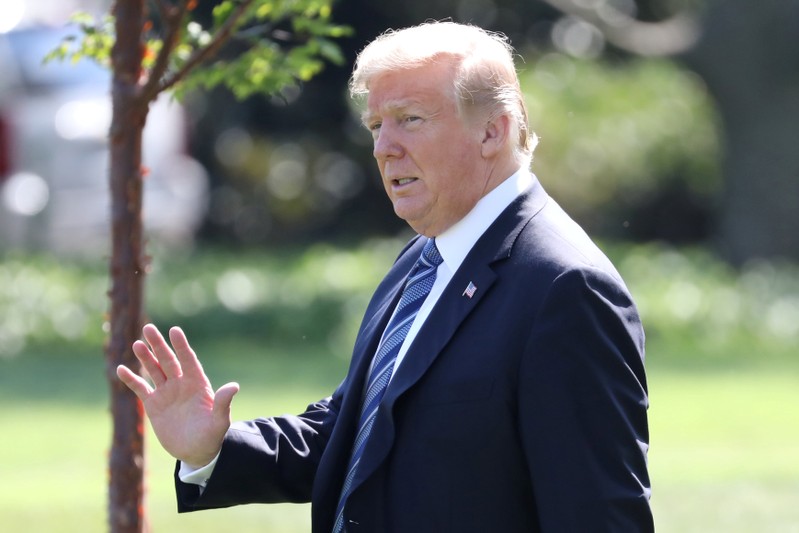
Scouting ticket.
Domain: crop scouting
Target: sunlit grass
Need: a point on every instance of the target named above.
(723, 451)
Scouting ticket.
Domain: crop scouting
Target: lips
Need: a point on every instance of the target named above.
(403, 181)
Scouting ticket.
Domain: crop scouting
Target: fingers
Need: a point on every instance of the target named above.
(157, 358)
(164, 357)
(149, 362)
(222, 400)
(134, 382)
(186, 357)
(162, 363)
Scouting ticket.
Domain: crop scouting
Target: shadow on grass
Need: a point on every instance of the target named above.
(64, 374)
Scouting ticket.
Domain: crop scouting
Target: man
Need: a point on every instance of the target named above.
(505, 392)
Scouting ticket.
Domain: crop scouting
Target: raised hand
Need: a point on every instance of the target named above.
(189, 419)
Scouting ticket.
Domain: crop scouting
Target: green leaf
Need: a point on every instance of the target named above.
(266, 67)
(221, 12)
(95, 43)
(330, 51)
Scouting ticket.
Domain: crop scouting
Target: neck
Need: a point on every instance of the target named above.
(497, 172)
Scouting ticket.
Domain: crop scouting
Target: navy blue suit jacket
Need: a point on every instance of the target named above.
(519, 409)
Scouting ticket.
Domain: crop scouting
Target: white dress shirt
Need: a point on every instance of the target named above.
(453, 245)
(456, 243)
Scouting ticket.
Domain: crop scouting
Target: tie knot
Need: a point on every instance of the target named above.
(430, 253)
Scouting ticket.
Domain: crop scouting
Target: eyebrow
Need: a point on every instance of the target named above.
(390, 106)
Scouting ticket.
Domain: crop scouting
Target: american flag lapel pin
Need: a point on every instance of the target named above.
(470, 288)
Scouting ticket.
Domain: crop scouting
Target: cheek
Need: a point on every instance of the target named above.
(465, 181)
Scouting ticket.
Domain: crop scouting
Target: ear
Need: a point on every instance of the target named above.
(495, 136)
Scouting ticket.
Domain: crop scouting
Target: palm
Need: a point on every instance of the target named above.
(181, 413)
(189, 419)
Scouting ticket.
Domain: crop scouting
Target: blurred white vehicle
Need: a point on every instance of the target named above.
(54, 121)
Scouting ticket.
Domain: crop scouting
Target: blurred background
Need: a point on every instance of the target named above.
(669, 129)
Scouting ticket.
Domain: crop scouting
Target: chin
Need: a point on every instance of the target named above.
(415, 225)
(415, 216)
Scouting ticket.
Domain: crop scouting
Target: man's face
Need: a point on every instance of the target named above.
(429, 155)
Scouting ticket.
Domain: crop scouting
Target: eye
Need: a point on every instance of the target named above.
(374, 126)
(412, 118)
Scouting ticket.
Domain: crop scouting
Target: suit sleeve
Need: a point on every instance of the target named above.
(583, 402)
(267, 460)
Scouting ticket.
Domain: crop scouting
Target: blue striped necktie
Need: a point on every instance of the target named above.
(417, 287)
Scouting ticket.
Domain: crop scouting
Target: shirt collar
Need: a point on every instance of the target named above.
(456, 242)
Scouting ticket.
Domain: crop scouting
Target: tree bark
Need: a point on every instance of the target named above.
(749, 57)
(127, 268)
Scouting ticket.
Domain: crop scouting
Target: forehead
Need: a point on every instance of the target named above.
(430, 84)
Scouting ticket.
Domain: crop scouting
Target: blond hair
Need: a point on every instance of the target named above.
(485, 78)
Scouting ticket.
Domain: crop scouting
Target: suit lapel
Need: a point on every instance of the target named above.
(387, 296)
(332, 468)
(449, 312)
(451, 309)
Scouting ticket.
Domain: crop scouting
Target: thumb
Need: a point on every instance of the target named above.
(223, 398)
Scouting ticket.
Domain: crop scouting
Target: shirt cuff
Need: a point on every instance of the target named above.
(197, 476)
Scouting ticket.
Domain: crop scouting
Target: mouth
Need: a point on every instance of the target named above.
(399, 182)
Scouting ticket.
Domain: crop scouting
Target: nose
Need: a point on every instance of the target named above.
(386, 143)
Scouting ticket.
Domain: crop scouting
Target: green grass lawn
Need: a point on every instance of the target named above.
(724, 451)
(723, 455)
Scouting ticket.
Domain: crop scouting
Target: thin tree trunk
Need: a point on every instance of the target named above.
(748, 58)
(127, 269)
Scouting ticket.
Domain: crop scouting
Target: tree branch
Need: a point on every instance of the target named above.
(202, 54)
(161, 6)
(172, 18)
(669, 37)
